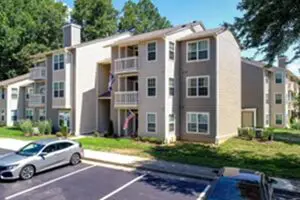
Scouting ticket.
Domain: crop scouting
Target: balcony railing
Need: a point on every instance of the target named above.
(38, 73)
(126, 65)
(36, 100)
(126, 99)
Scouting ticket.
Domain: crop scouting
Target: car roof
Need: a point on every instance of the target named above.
(241, 174)
(51, 140)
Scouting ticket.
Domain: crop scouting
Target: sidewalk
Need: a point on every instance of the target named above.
(152, 165)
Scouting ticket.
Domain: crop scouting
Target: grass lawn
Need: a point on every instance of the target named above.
(275, 158)
(14, 133)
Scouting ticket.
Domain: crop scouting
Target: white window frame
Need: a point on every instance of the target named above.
(151, 113)
(14, 91)
(53, 61)
(15, 112)
(172, 122)
(53, 90)
(42, 113)
(2, 114)
(282, 77)
(27, 110)
(29, 91)
(267, 119)
(197, 77)
(152, 77)
(275, 98)
(64, 112)
(156, 54)
(197, 113)
(169, 84)
(172, 50)
(2, 93)
(197, 42)
(276, 118)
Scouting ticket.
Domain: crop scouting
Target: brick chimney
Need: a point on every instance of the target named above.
(282, 61)
(71, 34)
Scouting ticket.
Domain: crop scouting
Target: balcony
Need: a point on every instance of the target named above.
(128, 99)
(37, 100)
(38, 73)
(126, 65)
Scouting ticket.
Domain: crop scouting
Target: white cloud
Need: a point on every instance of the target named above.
(295, 67)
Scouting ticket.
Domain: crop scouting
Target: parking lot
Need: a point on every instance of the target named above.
(93, 182)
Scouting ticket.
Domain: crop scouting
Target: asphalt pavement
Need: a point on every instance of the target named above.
(91, 182)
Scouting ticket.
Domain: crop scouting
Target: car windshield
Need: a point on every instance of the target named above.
(228, 188)
(30, 149)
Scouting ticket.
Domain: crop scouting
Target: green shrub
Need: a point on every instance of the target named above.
(59, 134)
(2, 124)
(295, 125)
(97, 134)
(246, 133)
(267, 133)
(42, 127)
(26, 127)
(65, 131)
(152, 140)
(48, 124)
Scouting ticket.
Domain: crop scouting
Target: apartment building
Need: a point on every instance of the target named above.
(14, 101)
(268, 94)
(178, 83)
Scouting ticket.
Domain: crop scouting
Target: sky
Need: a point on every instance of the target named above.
(211, 12)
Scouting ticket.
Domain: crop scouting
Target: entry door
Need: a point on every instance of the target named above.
(65, 119)
(247, 119)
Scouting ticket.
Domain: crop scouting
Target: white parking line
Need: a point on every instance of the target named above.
(47, 183)
(123, 187)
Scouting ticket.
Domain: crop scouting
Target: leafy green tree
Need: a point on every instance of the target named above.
(98, 18)
(142, 17)
(27, 27)
(271, 26)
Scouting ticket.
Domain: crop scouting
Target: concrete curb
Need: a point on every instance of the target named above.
(153, 169)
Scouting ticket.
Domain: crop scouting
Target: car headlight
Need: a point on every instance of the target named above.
(11, 167)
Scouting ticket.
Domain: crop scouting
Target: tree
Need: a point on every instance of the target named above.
(98, 18)
(141, 17)
(271, 26)
(27, 27)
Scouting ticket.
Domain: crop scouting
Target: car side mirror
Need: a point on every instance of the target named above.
(43, 154)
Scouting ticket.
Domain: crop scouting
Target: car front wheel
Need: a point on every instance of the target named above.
(27, 172)
(75, 159)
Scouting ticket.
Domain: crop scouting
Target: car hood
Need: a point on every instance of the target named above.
(11, 158)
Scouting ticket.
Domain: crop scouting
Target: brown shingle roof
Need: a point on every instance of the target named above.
(14, 80)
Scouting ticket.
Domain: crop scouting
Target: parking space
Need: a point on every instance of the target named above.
(92, 182)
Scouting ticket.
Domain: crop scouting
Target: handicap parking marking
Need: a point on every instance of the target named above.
(47, 183)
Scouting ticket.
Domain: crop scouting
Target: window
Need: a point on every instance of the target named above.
(198, 50)
(42, 114)
(278, 119)
(278, 98)
(171, 87)
(29, 114)
(198, 86)
(267, 98)
(14, 93)
(64, 119)
(2, 93)
(59, 62)
(2, 115)
(14, 115)
(171, 122)
(63, 145)
(171, 50)
(278, 77)
(51, 148)
(59, 90)
(197, 122)
(151, 87)
(29, 92)
(267, 119)
(151, 49)
(151, 122)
